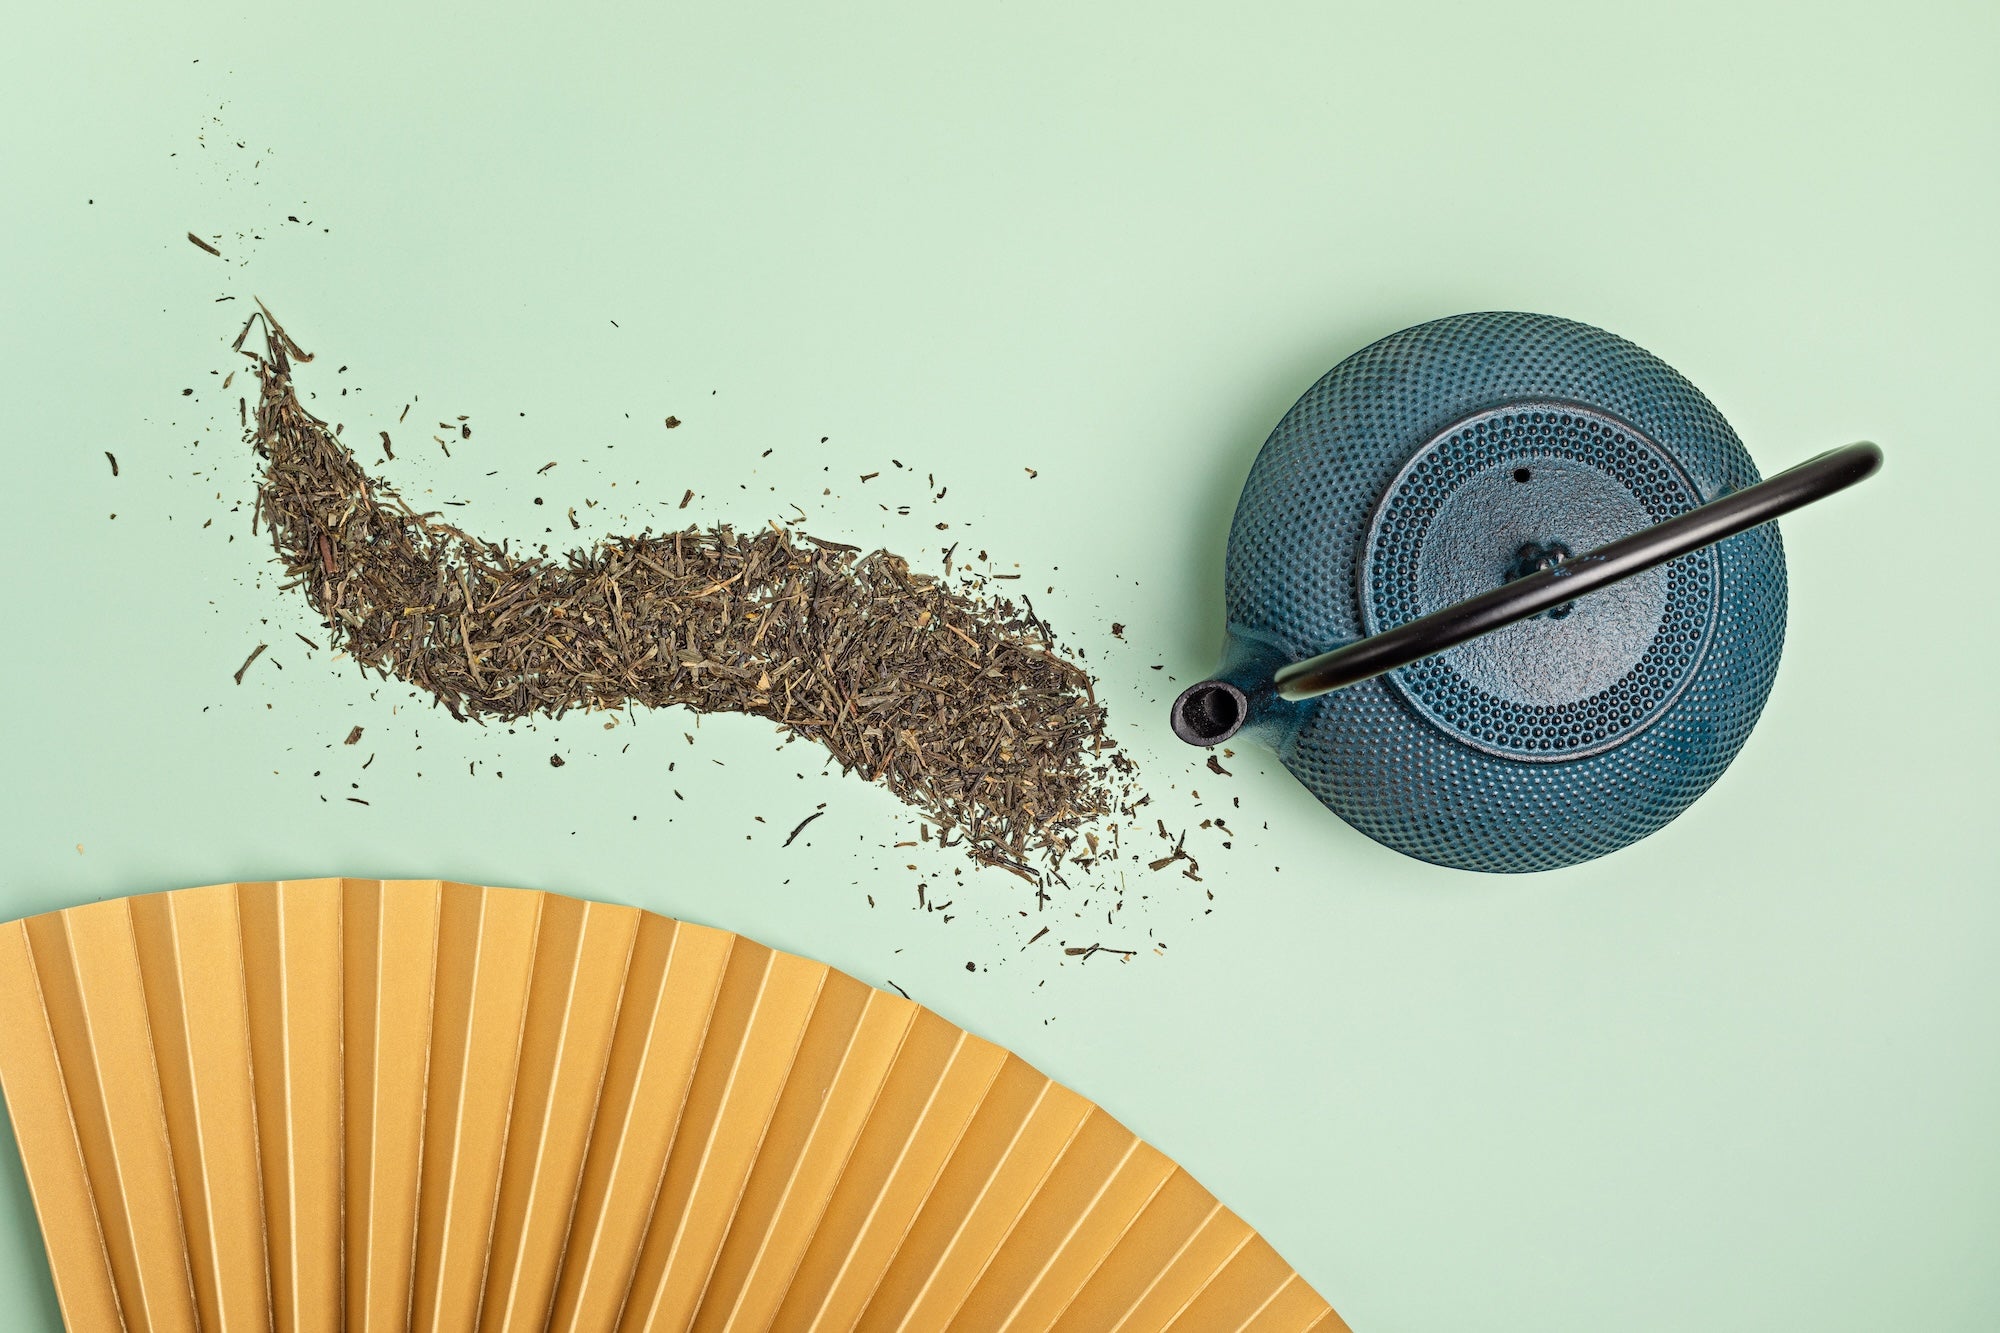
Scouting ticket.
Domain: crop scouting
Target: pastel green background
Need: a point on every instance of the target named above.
(1740, 1076)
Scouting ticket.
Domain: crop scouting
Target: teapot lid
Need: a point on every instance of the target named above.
(1497, 495)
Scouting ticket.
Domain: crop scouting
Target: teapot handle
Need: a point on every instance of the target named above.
(1212, 711)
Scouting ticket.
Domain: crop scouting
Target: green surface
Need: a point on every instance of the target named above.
(1741, 1075)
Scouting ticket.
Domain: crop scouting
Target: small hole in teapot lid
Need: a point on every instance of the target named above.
(1522, 474)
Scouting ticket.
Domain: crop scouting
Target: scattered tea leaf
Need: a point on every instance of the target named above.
(255, 653)
(800, 828)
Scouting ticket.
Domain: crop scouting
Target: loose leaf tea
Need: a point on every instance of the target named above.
(255, 653)
(959, 703)
(801, 827)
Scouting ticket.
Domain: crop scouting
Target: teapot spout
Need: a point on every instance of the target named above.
(1241, 694)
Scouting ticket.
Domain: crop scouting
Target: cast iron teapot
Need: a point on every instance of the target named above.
(1504, 592)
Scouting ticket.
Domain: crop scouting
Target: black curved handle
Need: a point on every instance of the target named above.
(1199, 717)
(1545, 589)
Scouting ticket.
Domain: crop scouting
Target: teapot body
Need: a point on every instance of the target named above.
(1452, 457)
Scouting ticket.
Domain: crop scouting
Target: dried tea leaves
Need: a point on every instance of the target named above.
(961, 705)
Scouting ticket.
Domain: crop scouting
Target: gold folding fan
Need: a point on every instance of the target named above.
(358, 1104)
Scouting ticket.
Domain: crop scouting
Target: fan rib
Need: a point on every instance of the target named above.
(830, 1028)
(652, 1066)
(1074, 1114)
(190, 954)
(391, 957)
(45, 1130)
(1192, 1268)
(97, 1004)
(390, 938)
(1004, 1157)
(732, 1108)
(1104, 1178)
(1170, 1218)
(1160, 1170)
(733, 1004)
(529, 1230)
(485, 997)
(863, 1242)
(492, 1165)
(756, 1267)
(291, 986)
(1238, 1294)
(1293, 1307)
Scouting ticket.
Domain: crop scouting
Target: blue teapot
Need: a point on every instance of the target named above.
(1503, 591)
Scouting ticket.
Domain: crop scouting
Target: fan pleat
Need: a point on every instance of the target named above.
(89, 966)
(291, 958)
(939, 1078)
(1022, 1125)
(485, 959)
(310, 1105)
(1104, 1178)
(190, 954)
(760, 1017)
(1246, 1293)
(390, 937)
(1164, 1225)
(580, 968)
(670, 994)
(1185, 1275)
(842, 1065)
(1293, 1308)
(47, 1128)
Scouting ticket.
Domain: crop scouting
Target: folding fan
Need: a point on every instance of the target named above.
(358, 1104)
